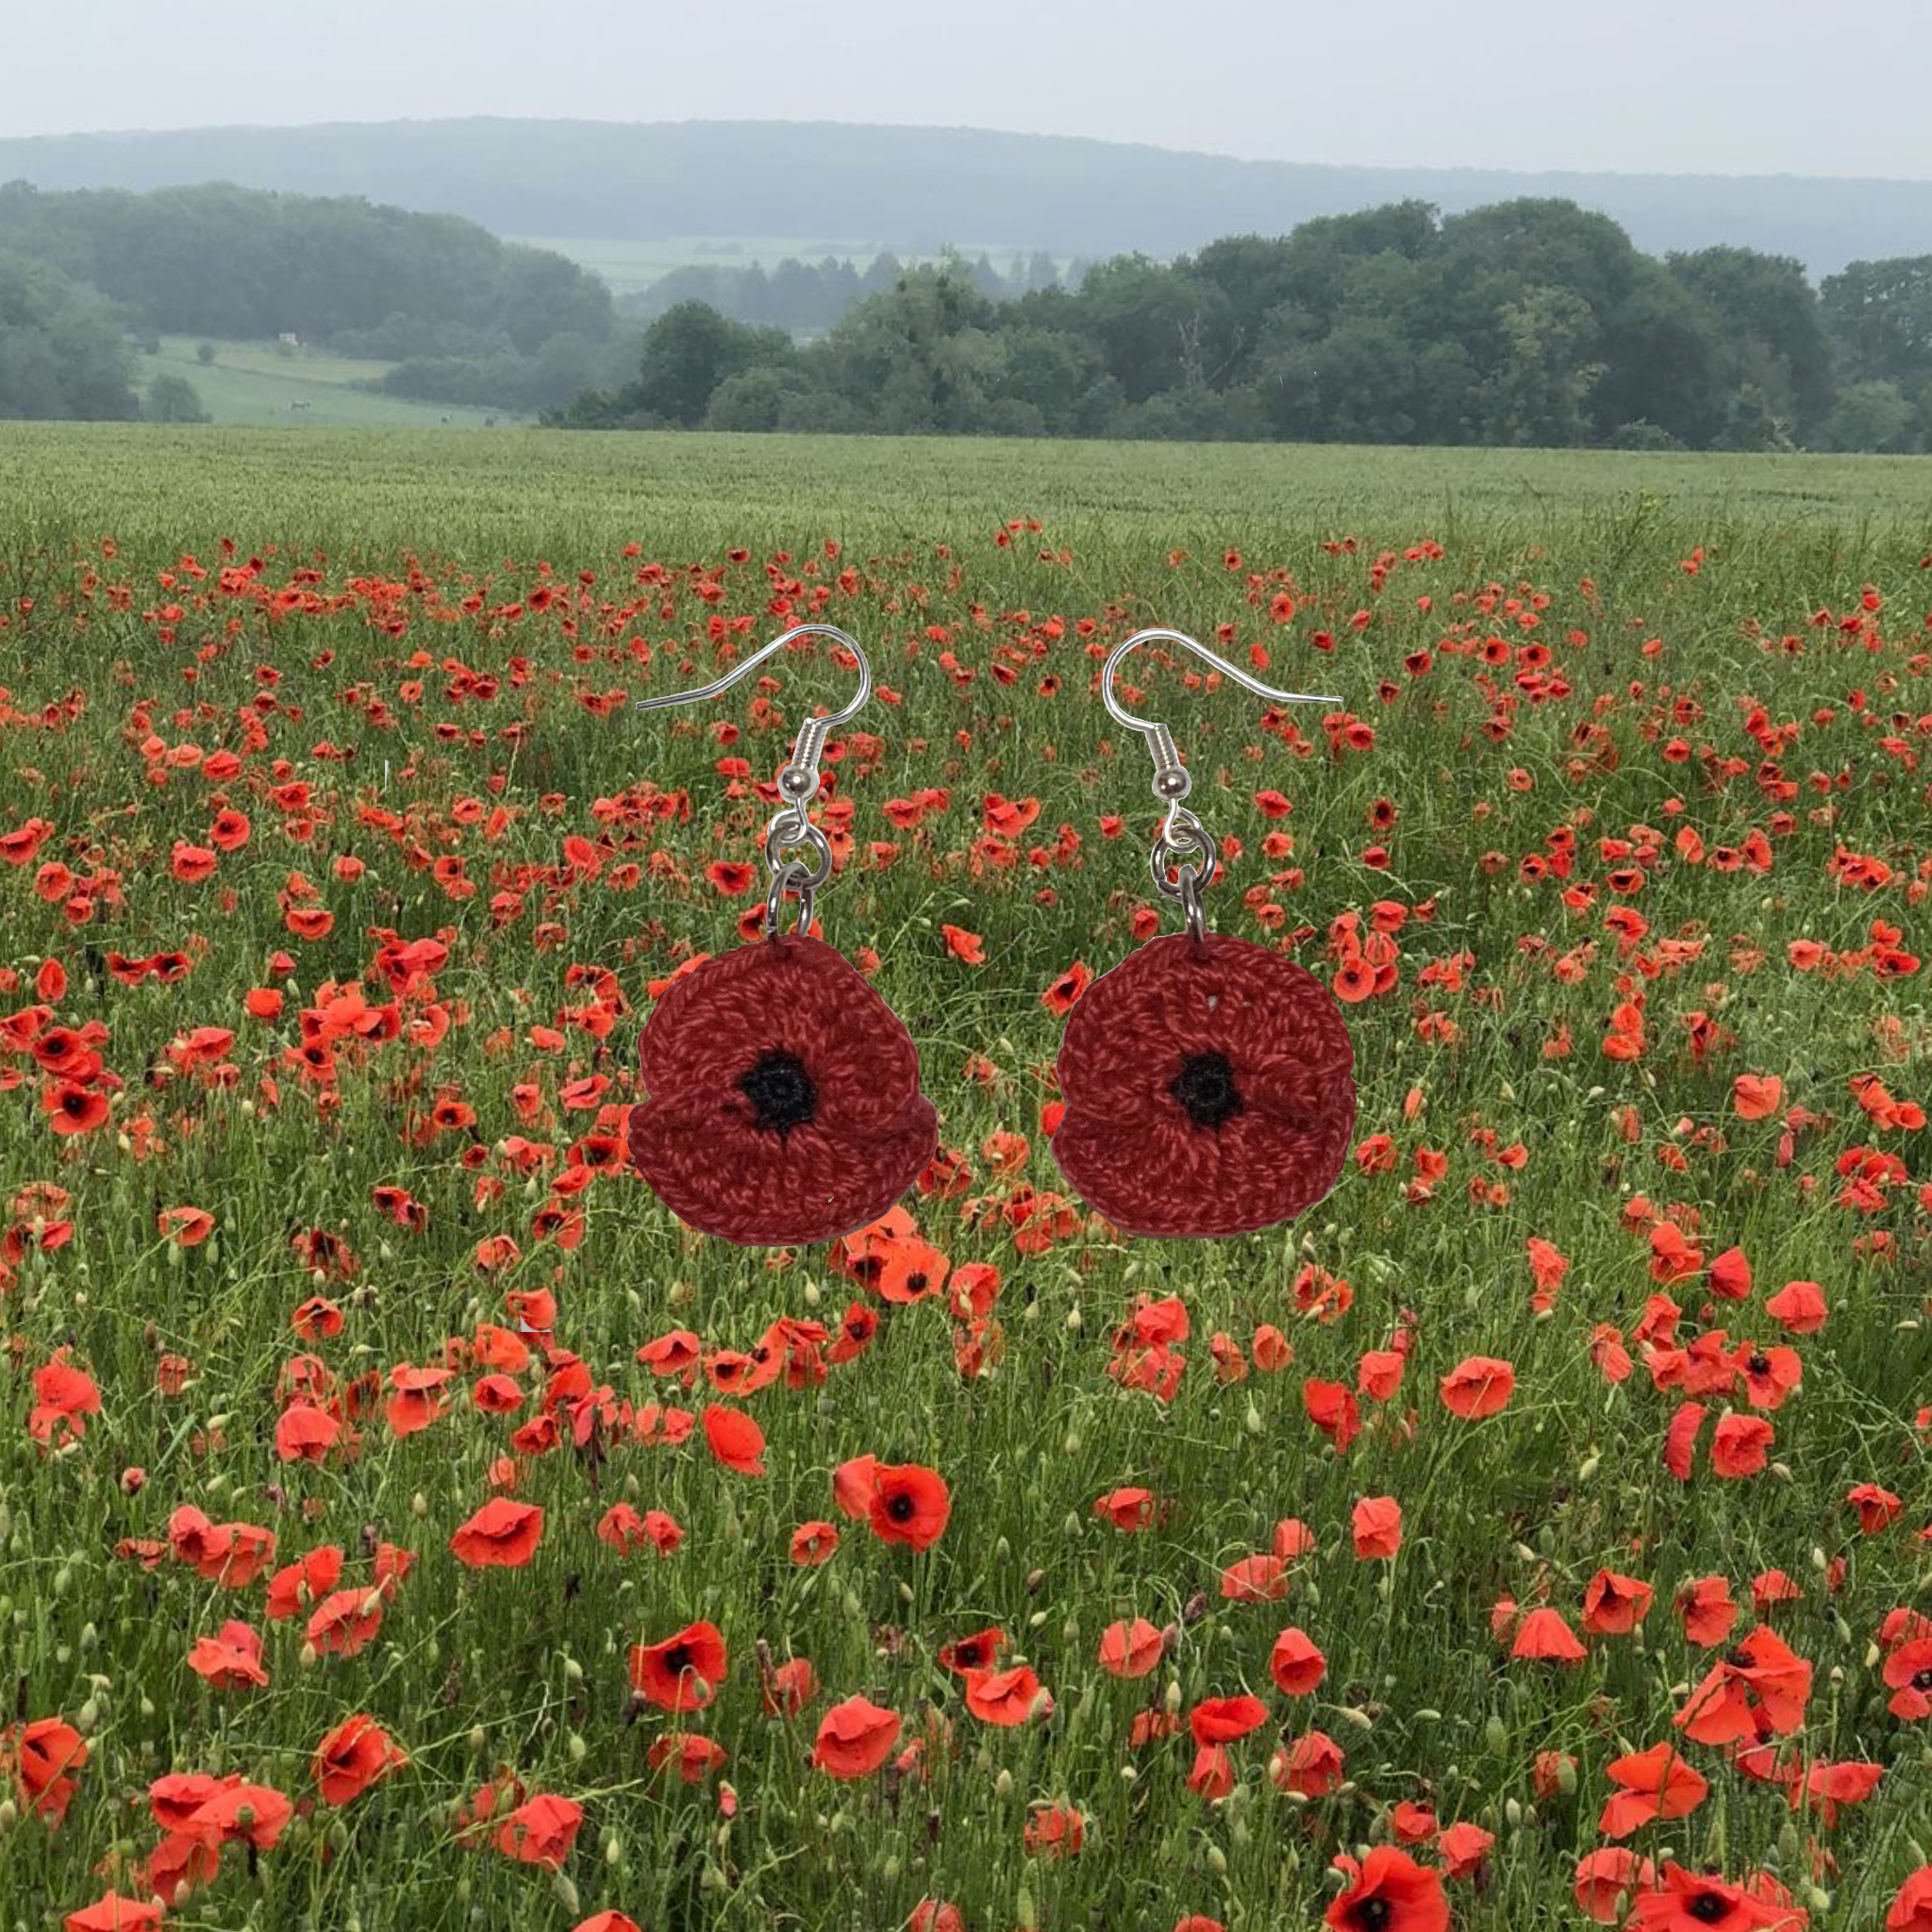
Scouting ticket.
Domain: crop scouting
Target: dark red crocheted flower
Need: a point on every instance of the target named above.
(784, 1104)
(1210, 1089)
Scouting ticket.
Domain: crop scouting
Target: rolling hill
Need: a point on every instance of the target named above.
(916, 189)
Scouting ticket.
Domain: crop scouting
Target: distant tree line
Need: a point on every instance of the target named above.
(808, 298)
(519, 326)
(1529, 322)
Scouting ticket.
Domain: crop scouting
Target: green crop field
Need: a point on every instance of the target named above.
(408, 1523)
(256, 383)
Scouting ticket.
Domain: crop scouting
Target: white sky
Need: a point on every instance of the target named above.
(1636, 86)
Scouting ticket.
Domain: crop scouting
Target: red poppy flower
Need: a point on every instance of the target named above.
(909, 1505)
(1390, 1892)
(38, 1756)
(855, 1739)
(1210, 1089)
(110, 1912)
(784, 1097)
(540, 1831)
(351, 1758)
(1691, 1901)
(502, 1534)
(683, 1672)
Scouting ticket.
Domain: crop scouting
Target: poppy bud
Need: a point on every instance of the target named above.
(1251, 1420)
(889, 1869)
(1355, 1714)
(1074, 1319)
(1428, 1716)
(1171, 1699)
(88, 1717)
(1003, 1785)
(614, 1852)
(1025, 1911)
(1587, 1467)
(307, 1657)
(89, 1636)
(1495, 1733)
(566, 1893)
(1217, 1861)
(478, 1739)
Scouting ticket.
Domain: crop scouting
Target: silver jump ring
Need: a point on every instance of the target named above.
(792, 876)
(795, 828)
(1190, 903)
(1172, 850)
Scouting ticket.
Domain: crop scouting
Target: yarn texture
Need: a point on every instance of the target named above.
(783, 1103)
(1210, 1089)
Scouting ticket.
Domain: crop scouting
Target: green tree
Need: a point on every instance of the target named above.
(1878, 316)
(924, 358)
(174, 399)
(687, 352)
(62, 352)
(1771, 338)
(1874, 416)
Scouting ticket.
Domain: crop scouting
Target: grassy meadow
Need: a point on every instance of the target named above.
(1542, 1522)
(258, 384)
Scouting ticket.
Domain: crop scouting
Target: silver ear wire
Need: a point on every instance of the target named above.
(798, 780)
(1181, 832)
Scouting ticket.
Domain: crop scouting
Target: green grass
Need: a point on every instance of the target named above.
(444, 624)
(253, 383)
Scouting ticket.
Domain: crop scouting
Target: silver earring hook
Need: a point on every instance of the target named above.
(798, 782)
(1171, 782)
(1181, 833)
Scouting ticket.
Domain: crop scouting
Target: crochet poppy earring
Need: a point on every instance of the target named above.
(1209, 1081)
(782, 1094)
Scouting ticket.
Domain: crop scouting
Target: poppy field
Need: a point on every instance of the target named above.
(406, 1522)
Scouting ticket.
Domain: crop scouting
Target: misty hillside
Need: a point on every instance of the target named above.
(916, 189)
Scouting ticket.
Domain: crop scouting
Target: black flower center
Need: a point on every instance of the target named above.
(1739, 1658)
(1922, 1680)
(780, 1091)
(902, 1508)
(1708, 1907)
(677, 1661)
(1370, 1914)
(1759, 1364)
(1205, 1090)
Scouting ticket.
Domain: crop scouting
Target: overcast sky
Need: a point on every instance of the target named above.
(1638, 86)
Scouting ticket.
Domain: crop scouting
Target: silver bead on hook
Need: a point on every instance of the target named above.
(798, 780)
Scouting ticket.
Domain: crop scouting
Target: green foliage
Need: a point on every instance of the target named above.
(61, 348)
(1531, 322)
(173, 399)
(221, 260)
